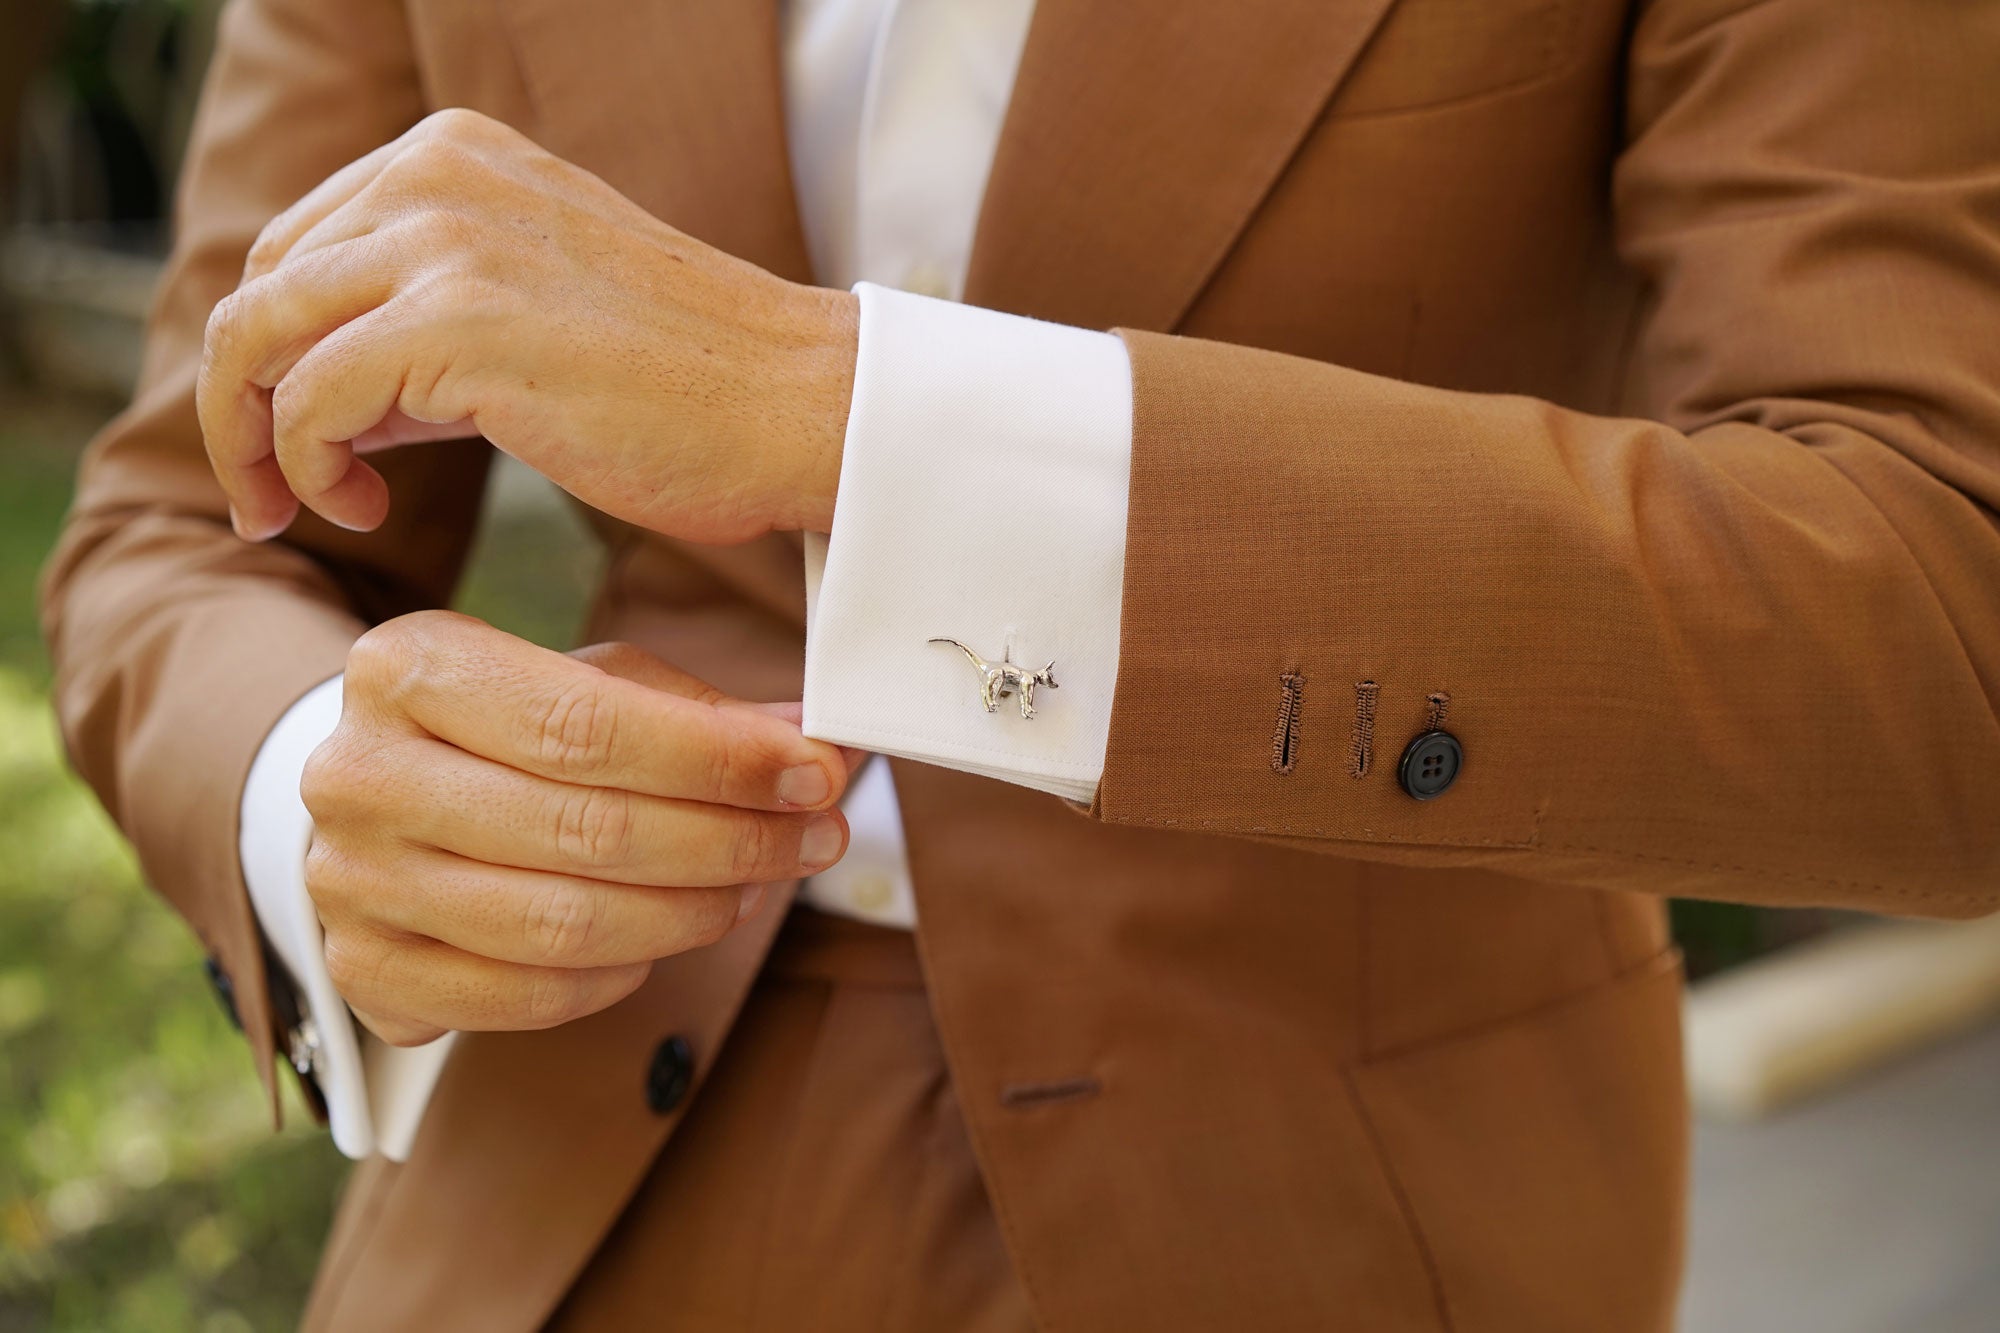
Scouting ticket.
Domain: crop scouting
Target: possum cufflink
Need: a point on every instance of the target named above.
(999, 679)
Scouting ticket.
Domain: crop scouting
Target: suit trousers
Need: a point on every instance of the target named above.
(823, 1178)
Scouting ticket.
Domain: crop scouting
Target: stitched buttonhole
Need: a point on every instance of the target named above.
(1285, 740)
(1437, 710)
(1361, 749)
(1018, 1095)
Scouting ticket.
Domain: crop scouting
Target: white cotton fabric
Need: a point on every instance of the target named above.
(982, 498)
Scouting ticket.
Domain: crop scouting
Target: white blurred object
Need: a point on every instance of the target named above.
(1768, 1033)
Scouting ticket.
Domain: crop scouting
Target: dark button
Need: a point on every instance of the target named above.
(670, 1075)
(1430, 765)
(225, 990)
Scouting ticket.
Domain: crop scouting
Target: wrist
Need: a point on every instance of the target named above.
(824, 346)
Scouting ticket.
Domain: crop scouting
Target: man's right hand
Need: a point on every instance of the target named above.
(507, 837)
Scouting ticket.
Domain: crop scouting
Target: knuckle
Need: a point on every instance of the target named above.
(331, 781)
(326, 882)
(268, 248)
(713, 920)
(292, 404)
(561, 925)
(386, 661)
(416, 174)
(594, 826)
(381, 656)
(456, 122)
(759, 755)
(441, 159)
(222, 323)
(725, 773)
(756, 848)
(355, 963)
(576, 730)
(550, 999)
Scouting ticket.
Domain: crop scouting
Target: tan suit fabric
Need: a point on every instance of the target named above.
(824, 1179)
(1625, 376)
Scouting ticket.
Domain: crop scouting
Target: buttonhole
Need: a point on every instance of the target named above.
(1437, 710)
(1016, 1096)
(1361, 749)
(1285, 740)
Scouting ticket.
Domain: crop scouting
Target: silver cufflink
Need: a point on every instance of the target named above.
(999, 679)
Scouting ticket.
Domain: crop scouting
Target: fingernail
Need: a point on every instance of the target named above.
(805, 785)
(821, 844)
(746, 907)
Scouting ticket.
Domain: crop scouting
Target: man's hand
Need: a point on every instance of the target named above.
(507, 837)
(461, 281)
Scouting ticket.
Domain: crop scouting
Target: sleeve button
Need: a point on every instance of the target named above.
(1430, 765)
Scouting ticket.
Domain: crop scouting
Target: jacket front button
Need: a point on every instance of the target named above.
(670, 1075)
(1430, 765)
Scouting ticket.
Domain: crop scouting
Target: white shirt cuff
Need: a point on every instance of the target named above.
(983, 492)
(375, 1093)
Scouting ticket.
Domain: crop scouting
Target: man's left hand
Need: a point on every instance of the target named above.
(462, 281)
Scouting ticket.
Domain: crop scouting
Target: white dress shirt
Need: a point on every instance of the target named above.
(982, 498)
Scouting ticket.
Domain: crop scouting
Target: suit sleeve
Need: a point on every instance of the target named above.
(176, 645)
(1744, 643)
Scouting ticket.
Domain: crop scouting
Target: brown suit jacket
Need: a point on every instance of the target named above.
(1626, 374)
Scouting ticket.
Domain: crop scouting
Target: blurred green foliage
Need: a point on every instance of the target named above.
(141, 1188)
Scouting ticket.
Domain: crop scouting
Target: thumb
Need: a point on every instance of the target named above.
(794, 713)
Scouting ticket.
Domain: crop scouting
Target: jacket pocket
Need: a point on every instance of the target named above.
(1543, 1160)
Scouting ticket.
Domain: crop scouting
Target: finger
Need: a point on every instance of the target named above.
(796, 785)
(348, 384)
(399, 428)
(283, 232)
(254, 338)
(339, 207)
(415, 986)
(448, 799)
(794, 712)
(578, 722)
(521, 916)
(398, 1032)
(272, 322)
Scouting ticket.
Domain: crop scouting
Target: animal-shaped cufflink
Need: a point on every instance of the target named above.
(999, 679)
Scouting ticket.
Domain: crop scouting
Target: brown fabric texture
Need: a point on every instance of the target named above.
(824, 1180)
(1626, 373)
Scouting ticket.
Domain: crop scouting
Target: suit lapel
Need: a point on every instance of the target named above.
(679, 104)
(1139, 142)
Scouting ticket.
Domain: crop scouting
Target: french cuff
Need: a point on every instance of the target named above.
(374, 1093)
(982, 499)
